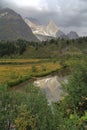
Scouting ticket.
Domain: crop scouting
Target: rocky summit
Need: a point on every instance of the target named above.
(46, 31)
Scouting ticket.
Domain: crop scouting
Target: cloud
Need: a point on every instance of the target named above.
(68, 14)
(84, 1)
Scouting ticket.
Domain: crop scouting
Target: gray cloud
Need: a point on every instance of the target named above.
(84, 1)
(68, 14)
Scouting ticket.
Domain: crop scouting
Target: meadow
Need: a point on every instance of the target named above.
(14, 71)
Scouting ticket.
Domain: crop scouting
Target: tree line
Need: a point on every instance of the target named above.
(12, 48)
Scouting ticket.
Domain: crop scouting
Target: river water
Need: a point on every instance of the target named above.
(52, 87)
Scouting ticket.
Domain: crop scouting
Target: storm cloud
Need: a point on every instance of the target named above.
(67, 14)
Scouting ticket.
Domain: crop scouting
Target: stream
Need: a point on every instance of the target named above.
(51, 86)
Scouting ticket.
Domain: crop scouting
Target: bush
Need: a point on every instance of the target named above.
(34, 69)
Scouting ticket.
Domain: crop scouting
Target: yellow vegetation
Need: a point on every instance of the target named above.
(12, 73)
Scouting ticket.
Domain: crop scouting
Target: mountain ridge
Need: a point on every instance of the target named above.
(49, 31)
(13, 27)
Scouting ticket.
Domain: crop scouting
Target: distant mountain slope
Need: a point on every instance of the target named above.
(13, 27)
(72, 35)
(49, 31)
(60, 34)
(41, 30)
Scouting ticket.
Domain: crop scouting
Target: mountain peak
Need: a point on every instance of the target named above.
(52, 28)
(52, 23)
(8, 13)
(72, 35)
(13, 27)
(7, 10)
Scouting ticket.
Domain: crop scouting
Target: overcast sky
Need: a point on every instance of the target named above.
(67, 14)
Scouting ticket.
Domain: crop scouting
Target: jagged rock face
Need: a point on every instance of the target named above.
(13, 27)
(72, 35)
(52, 29)
(49, 30)
(60, 34)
